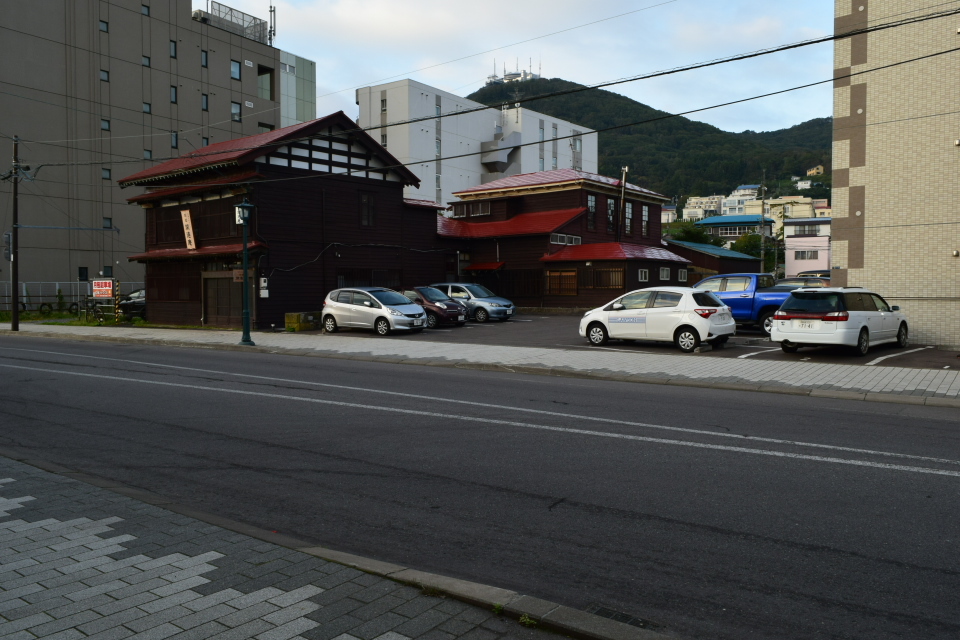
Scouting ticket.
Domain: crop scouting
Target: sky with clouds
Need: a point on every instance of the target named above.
(366, 42)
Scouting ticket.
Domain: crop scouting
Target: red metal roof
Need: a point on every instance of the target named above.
(426, 204)
(215, 250)
(556, 176)
(203, 186)
(611, 251)
(484, 266)
(242, 150)
(525, 224)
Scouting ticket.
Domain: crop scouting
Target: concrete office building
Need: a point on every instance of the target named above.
(494, 136)
(895, 133)
(110, 87)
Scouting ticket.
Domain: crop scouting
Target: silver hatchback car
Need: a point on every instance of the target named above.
(382, 310)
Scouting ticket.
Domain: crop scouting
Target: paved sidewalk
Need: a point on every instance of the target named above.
(935, 387)
(79, 561)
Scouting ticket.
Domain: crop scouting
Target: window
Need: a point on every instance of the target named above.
(235, 111)
(806, 255)
(107, 271)
(105, 174)
(145, 61)
(562, 283)
(147, 154)
(204, 102)
(553, 163)
(577, 144)
(438, 110)
(682, 275)
(438, 147)
(628, 217)
(288, 68)
(108, 223)
(145, 10)
(880, 303)
(82, 274)
(438, 181)
(643, 275)
(203, 58)
(265, 83)
(383, 105)
(264, 128)
(666, 298)
(104, 75)
(714, 284)
(174, 139)
(541, 133)
(541, 164)
(104, 26)
(562, 238)
(173, 48)
(645, 221)
(636, 300)
(664, 273)
(611, 214)
(383, 140)
(737, 284)
(105, 125)
(235, 69)
(204, 141)
(366, 210)
(146, 107)
(591, 213)
(173, 95)
(806, 230)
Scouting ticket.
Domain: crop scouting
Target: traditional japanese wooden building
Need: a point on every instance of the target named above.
(710, 260)
(562, 238)
(330, 212)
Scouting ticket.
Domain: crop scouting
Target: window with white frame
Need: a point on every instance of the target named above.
(806, 255)
(628, 217)
(664, 273)
(383, 140)
(806, 230)
(682, 275)
(643, 275)
(383, 105)
(645, 221)
(562, 238)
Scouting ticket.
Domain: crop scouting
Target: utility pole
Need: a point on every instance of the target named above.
(623, 195)
(763, 216)
(14, 258)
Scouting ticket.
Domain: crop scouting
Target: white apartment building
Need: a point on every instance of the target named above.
(698, 208)
(734, 204)
(668, 214)
(456, 152)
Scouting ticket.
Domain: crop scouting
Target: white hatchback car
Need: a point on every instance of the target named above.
(680, 315)
(850, 316)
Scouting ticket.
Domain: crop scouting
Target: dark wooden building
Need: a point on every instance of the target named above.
(562, 238)
(710, 260)
(330, 212)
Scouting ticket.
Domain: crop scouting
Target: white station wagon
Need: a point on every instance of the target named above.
(850, 316)
(681, 315)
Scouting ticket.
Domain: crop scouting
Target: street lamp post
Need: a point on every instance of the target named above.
(243, 211)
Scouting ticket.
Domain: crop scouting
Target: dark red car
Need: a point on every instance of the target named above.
(440, 308)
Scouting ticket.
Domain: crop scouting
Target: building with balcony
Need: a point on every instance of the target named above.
(734, 204)
(700, 207)
(806, 244)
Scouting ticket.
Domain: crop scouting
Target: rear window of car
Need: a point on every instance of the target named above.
(813, 302)
(706, 299)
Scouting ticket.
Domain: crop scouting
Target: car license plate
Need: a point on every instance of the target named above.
(808, 324)
(509, 312)
(459, 318)
(417, 322)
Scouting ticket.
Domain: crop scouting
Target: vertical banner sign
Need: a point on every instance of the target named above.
(188, 229)
(102, 288)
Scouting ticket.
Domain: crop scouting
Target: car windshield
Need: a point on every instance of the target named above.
(706, 299)
(390, 298)
(479, 291)
(813, 302)
(433, 295)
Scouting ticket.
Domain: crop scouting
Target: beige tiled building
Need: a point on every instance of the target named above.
(895, 133)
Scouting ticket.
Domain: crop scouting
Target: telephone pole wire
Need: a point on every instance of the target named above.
(14, 258)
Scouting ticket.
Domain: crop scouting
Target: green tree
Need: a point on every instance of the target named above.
(749, 243)
(686, 231)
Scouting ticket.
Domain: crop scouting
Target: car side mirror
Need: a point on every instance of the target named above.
(618, 307)
(895, 308)
(418, 300)
(366, 303)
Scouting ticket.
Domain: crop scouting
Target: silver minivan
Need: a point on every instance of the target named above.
(382, 310)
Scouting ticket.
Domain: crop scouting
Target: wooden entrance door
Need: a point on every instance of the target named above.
(222, 302)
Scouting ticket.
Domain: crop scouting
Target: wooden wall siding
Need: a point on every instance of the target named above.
(173, 292)
(214, 222)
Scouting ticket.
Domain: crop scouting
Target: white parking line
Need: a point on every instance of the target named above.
(894, 355)
(518, 320)
(755, 353)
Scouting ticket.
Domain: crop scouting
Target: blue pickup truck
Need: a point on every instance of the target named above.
(752, 297)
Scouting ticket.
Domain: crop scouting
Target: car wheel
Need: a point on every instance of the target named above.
(597, 334)
(382, 326)
(432, 321)
(481, 315)
(766, 322)
(903, 335)
(686, 339)
(789, 348)
(330, 324)
(863, 343)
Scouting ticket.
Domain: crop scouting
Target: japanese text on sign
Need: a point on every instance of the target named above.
(102, 288)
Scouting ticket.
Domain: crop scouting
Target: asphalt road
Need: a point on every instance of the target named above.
(561, 332)
(714, 514)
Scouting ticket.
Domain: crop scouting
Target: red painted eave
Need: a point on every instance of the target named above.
(179, 253)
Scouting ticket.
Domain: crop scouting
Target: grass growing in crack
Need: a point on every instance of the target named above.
(498, 608)
(430, 591)
(527, 621)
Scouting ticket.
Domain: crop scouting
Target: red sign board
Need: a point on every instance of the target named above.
(102, 288)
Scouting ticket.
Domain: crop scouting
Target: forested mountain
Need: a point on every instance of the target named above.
(675, 156)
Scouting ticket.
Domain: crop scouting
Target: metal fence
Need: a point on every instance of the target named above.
(58, 295)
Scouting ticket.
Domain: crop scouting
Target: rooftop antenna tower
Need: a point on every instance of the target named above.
(272, 33)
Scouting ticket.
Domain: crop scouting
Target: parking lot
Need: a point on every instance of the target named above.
(560, 332)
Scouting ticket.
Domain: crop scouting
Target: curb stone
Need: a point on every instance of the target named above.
(548, 615)
(562, 372)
